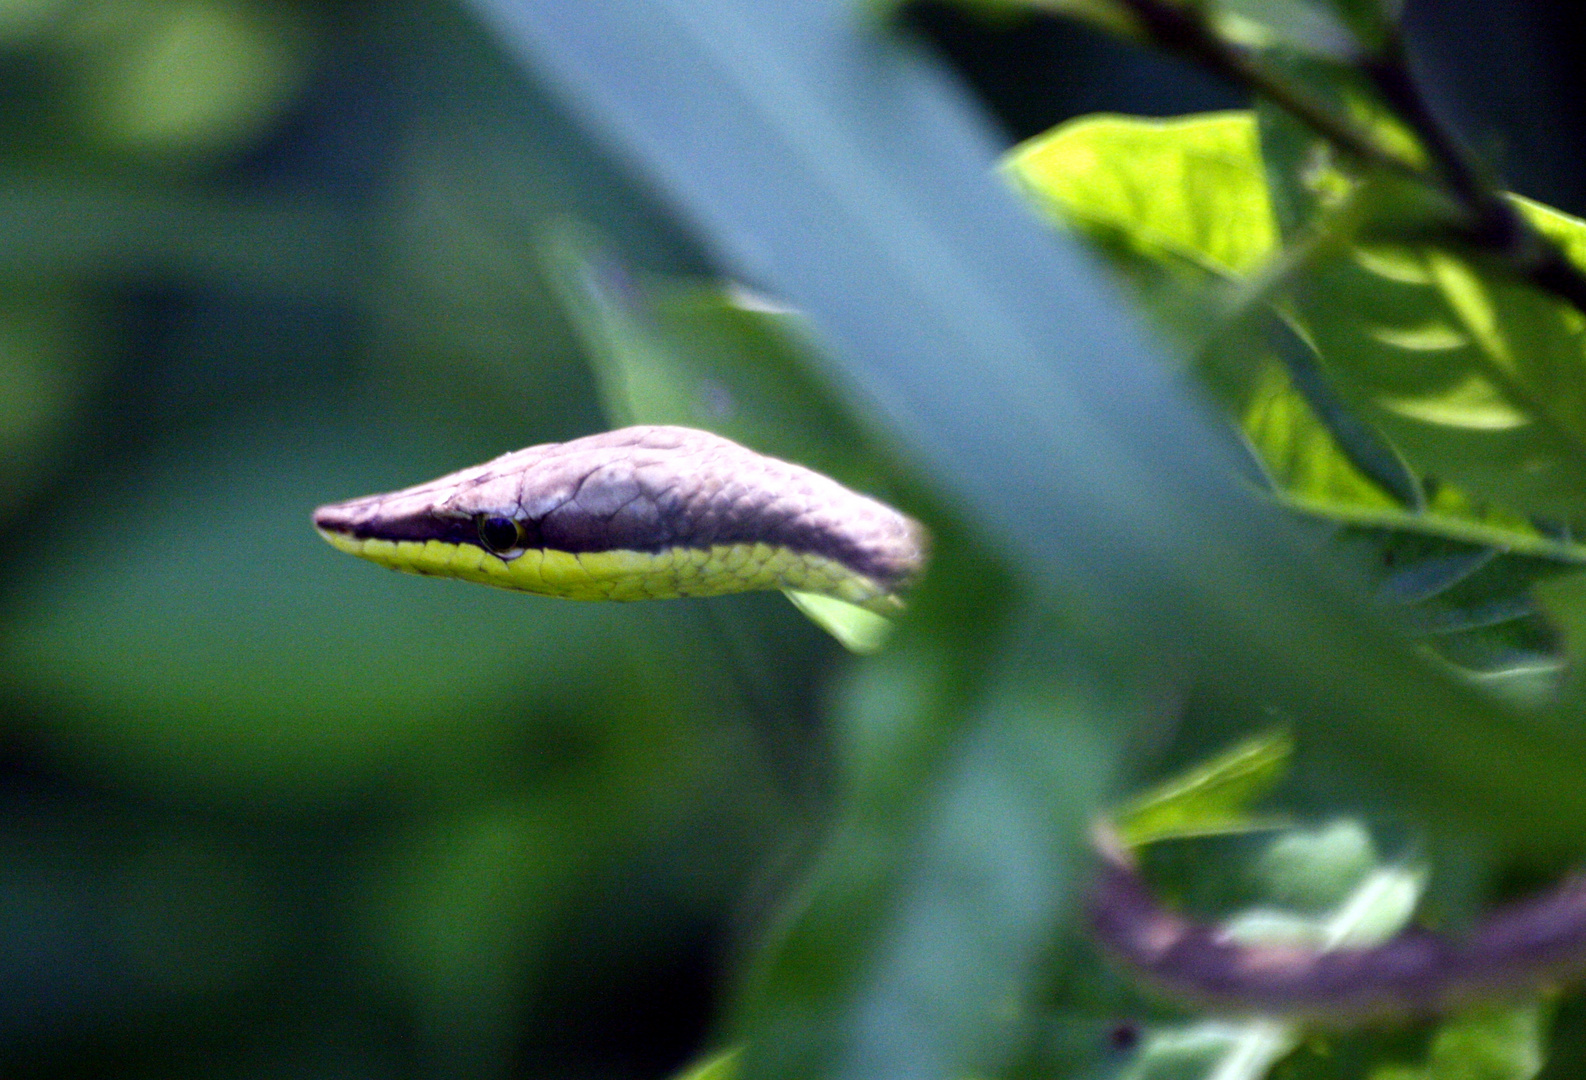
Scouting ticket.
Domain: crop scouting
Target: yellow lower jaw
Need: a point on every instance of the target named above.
(627, 575)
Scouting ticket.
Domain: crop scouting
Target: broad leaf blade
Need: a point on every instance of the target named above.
(840, 170)
(1192, 193)
(1189, 186)
(1477, 377)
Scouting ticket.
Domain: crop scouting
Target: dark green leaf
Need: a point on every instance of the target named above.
(915, 947)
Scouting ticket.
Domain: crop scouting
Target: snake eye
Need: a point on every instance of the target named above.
(499, 535)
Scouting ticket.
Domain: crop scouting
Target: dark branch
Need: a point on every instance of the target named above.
(1517, 951)
(1494, 225)
(1182, 30)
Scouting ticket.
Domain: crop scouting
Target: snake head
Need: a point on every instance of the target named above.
(643, 512)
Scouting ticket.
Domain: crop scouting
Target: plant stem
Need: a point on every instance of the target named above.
(1495, 226)
(1183, 30)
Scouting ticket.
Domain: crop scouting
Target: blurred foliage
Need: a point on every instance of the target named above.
(268, 812)
(264, 815)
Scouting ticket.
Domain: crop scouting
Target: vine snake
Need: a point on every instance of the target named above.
(639, 513)
(654, 512)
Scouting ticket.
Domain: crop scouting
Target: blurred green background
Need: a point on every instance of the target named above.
(265, 811)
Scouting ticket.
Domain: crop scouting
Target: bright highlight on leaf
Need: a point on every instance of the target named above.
(858, 630)
(1190, 187)
(1420, 401)
(1211, 799)
(722, 1066)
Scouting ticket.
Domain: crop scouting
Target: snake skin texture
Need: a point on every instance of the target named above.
(638, 513)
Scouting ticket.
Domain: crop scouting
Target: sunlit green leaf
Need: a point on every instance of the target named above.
(859, 630)
(1102, 175)
(722, 1066)
(1493, 1043)
(1212, 798)
(1190, 187)
(1474, 375)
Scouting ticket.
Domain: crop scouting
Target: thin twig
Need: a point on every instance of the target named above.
(1183, 30)
(1495, 225)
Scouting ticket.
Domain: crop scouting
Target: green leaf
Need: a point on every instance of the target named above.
(1180, 209)
(1185, 244)
(1460, 570)
(1307, 437)
(1563, 599)
(1502, 1043)
(1210, 799)
(858, 630)
(1189, 187)
(722, 1066)
(1317, 869)
(957, 851)
(1475, 376)
(1219, 1049)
